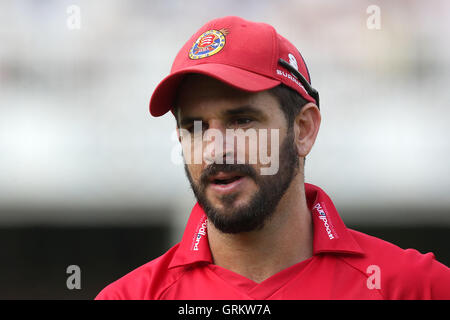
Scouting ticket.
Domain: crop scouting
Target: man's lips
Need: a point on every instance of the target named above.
(227, 182)
(223, 178)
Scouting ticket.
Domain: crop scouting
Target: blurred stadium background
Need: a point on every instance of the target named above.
(86, 176)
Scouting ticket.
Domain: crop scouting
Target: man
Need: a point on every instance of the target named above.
(258, 230)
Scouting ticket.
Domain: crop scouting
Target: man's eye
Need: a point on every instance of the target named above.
(196, 125)
(241, 121)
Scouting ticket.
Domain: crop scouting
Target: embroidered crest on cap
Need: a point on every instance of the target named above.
(208, 44)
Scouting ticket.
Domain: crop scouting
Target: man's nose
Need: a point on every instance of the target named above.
(217, 149)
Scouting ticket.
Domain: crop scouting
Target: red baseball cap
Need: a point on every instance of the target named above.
(250, 56)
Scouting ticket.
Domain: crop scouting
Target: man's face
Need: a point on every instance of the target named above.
(234, 194)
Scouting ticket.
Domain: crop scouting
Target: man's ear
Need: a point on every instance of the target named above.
(306, 128)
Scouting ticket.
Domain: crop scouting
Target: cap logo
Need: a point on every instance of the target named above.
(208, 44)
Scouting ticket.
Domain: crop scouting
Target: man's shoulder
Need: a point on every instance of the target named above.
(375, 247)
(144, 282)
(405, 273)
(392, 257)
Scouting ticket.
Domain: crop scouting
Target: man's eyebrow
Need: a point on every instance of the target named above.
(247, 109)
(189, 120)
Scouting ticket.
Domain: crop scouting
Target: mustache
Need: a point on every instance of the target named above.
(215, 168)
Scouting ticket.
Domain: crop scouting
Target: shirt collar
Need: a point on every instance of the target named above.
(194, 245)
(330, 233)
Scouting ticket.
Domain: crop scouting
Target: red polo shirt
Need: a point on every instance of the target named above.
(346, 264)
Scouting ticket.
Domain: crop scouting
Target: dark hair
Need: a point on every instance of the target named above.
(291, 102)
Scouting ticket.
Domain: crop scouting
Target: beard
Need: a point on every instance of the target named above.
(263, 202)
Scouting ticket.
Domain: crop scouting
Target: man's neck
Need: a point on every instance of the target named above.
(285, 240)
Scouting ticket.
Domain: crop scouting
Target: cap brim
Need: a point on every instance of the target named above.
(163, 97)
